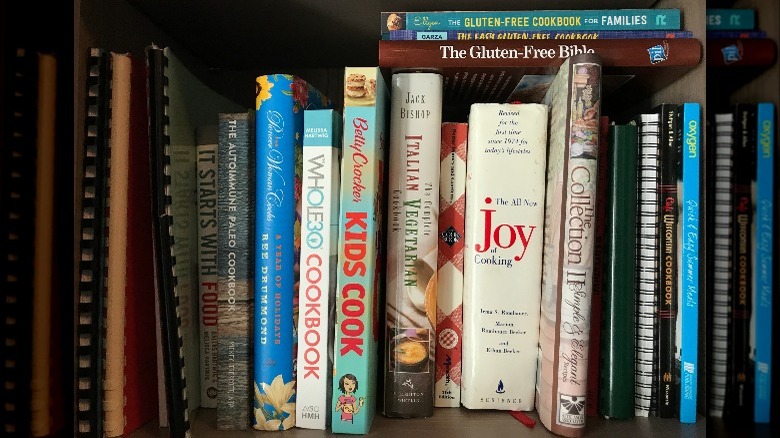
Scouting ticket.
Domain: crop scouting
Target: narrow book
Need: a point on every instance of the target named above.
(412, 243)
(235, 268)
(731, 19)
(570, 221)
(449, 277)
(358, 286)
(689, 200)
(616, 382)
(763, 268)
(472, 34)
(319, 244)
(280, 102)
(502, 268)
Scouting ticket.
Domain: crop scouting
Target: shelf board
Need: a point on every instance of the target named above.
(449, 422)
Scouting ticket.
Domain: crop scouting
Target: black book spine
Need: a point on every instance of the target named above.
(668, 218)
(739, 390)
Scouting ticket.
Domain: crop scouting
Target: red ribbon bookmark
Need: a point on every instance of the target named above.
(523, 418)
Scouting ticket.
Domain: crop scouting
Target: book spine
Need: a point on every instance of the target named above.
(358, 287)
(690, 134)
(280, 103)
(208, 278)
(596, 308)
(733, 34)
(666, 380)
(731, 19)
(616, 391)
(503, 248)
(647, 264)
(470, 34)
(721, 262)
(319, 237)
(570, 223)
(412, 243)
(449, 276)
(235, 269)
(738, 390)
(741, 52)
(764, 241)
(604, 19)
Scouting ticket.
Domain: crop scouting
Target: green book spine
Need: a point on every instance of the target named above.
(616, 385)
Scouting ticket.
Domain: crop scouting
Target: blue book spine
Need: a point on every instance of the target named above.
(471, 34)
(596, 19)
(762, 301)
(731, 19)
(735, 34)
(689, 272)
(280, 104)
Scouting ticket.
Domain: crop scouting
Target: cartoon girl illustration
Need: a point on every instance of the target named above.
(347, 403)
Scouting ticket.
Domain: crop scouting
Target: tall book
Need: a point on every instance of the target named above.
(502, 269)
(319, 244)
(235, 269)
(646, 263)
(570, 222)
(280, 103)
(687, 364)
(667, 378)
(449, 276)
(412, 243)
(739, 388)
(721, 208)
(208, 285)
(616, 382)
(763, 276)
(358, 286)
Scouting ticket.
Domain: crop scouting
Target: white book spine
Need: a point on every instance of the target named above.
(319, 251)
(505, 189)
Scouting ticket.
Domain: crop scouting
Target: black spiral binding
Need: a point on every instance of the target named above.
(17, 213)
(165, 262)
(88, 385)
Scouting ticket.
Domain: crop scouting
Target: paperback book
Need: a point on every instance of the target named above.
(478, 34)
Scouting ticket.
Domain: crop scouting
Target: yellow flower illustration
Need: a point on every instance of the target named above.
(278, 395)
(263, 90)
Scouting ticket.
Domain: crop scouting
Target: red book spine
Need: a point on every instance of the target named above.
(754, 52)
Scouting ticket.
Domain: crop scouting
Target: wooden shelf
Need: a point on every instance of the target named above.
(451, 422)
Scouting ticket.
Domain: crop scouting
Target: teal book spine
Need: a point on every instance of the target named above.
(731, 19)
(358, 285)
(764, 242)
(280, 103)
(689, 260)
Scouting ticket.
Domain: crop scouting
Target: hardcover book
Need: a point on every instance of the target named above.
(280, 103)
(741, 52)
(595, 19)
(570, 221)
(449, 276)
(235, 269)
(731, 19)
(502, 269)
(472, 34)
(319, 244)
(412, 243)
(358, 286)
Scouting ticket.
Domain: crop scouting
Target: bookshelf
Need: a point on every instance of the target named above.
(227, 44)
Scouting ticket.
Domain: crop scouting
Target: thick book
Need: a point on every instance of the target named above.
(731, 19)
(741, 52)
(235, 269)
(503, 244)
(449, 275)
(92, 244)
(358, 285)
(208, 289)
(577, 19)
(739, 383)
(574, 99)
(280, 102)
(504, 70)
(687, 364)
(472, 34)
(667, 379)
(319, 244)
(648, 125)
(412, 243)
(720, 189)
(616, 382)
(763, 268)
